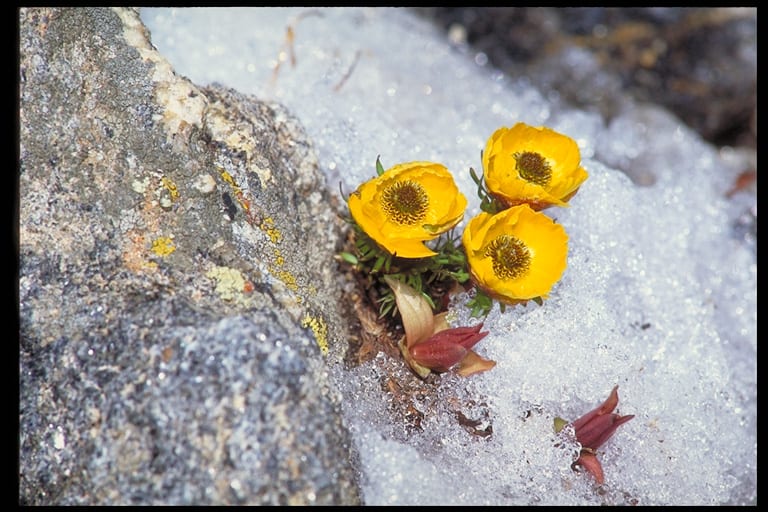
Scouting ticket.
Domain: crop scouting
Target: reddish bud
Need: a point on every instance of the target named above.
(446, 348)
(589, 462)
(595, 428)
(599, 429)
(599, 424)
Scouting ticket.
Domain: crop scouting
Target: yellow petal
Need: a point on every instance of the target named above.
(407, 248)
(559, 152)
(433, 206)
(546, 244)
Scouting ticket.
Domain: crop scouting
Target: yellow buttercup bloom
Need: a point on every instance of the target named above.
(532, 165)
(515, 255)
(407, 205)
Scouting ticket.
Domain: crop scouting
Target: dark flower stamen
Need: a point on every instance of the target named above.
(405, 202)
(533, 167)
(511, 258)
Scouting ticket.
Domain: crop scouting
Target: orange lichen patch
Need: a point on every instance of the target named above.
(231, 182)
(134, 254)
(248, 287)
(245, 204)
(167, 354)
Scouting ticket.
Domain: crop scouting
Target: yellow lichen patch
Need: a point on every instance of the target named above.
(171, 187)
(274, 234)
(319, 329)
(163, 246)
(229, 282)
(279, 260)
(289, 280)
(228, 178)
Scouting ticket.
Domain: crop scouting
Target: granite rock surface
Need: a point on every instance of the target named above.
(176, 301)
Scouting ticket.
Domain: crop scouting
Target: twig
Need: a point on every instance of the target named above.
(349, 72)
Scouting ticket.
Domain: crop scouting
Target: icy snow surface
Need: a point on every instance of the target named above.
(659, 295)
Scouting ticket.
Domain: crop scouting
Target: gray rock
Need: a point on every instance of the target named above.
(178, 306)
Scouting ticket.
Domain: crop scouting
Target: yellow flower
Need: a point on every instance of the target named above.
(407, 205)
(533, 165)
(515, 255)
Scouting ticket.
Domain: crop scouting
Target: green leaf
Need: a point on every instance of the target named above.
(386, 308)
(429, 299)
(460, 276)
(414, 281)
(480, 305)
(379, 167)
(474, 176)
(349, 258)
(490, 205)
(379, 263)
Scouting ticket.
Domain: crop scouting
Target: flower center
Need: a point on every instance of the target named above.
(405, 202)
(511, 258)
(532, 167)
